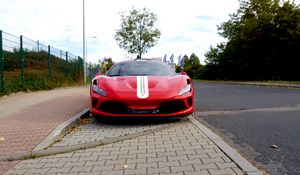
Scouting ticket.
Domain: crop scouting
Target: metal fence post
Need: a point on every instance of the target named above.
(49, 62)
(1, 64)
(78, 68)
(38, 45)
(21, 52)
(67, 68)
(90, 72)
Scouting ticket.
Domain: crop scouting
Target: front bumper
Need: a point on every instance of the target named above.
(176, 106)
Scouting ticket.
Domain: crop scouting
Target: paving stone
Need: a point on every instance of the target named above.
(182, 157)
(186, 168)
(101, 153)
(238, 171)
(226, 165)
(127, 156)
(167, 153)
(156, 159)
(109, 157)
(33, 166)
(48, 160)
(146, 155)
(227, 171)
(115, 162)
(158, 170)
(156, 150)
(54, 165)
(212, 160)
(89, 173)
(208, 166)
(75, 164)
(81, 169)
(190, 162)
(198, 156)
(95, 163)
(16, 172)
(127, 148)
(70, 159)
(98, 168)
(138, 160)
(147, 165)
(185, 152)
(203, 172)
(142, 151)
(60, 170)
(136, 172)
(168, 164)
(178, 173)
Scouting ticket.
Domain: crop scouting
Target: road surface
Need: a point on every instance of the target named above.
(263, 123)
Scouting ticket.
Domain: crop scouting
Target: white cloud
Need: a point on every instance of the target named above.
(59, 23)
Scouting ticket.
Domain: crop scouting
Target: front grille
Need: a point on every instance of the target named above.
(171, 107)
(164, 108)
(94, 102)
(113, 107)
(190, 102)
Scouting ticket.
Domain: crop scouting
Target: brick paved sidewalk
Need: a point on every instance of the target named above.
(25, 127)
(177, 150)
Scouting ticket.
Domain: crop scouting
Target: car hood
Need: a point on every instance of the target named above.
(128, 84)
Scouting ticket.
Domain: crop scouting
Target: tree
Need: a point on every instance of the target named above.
(263, 37)
(106, 64)
(191, 64)
(137, 33)
(194, 60)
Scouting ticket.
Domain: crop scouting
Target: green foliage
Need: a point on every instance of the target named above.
(137, 33)
(106, 65)
(192, 65)
(36, 72)
(177, 69)
(263, 39)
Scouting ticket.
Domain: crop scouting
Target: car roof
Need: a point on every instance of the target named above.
(141, 59)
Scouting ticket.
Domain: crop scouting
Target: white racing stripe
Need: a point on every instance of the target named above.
(142, 89)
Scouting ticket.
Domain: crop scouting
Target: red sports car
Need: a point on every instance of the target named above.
(141, 88)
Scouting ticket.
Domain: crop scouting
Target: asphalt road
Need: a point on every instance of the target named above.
(253, 119)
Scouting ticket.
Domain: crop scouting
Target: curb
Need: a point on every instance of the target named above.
(230, 152)
(54, 136)
(277, 85)
(60, 130)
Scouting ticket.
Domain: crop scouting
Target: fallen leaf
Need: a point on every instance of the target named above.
(274, 146)
(125, 166)
(2, 139)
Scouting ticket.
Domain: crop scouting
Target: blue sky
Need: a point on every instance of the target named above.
(187, 26)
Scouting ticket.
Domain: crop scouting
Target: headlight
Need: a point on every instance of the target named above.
(99, 91)
(185, 90)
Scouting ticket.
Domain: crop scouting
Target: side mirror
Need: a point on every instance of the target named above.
(98, 74)
(183, 73)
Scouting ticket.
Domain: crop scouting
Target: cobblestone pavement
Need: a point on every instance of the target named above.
(25, 127)
(178, 149)
(95, 131)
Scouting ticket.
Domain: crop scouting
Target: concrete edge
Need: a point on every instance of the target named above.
(60, 130)
(277, 85)
(245, 165)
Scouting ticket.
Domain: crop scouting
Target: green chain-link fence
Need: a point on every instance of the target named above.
(27, 65)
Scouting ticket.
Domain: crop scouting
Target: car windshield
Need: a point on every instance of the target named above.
(142, 67)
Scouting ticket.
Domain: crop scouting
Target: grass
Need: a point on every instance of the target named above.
(36, 73)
